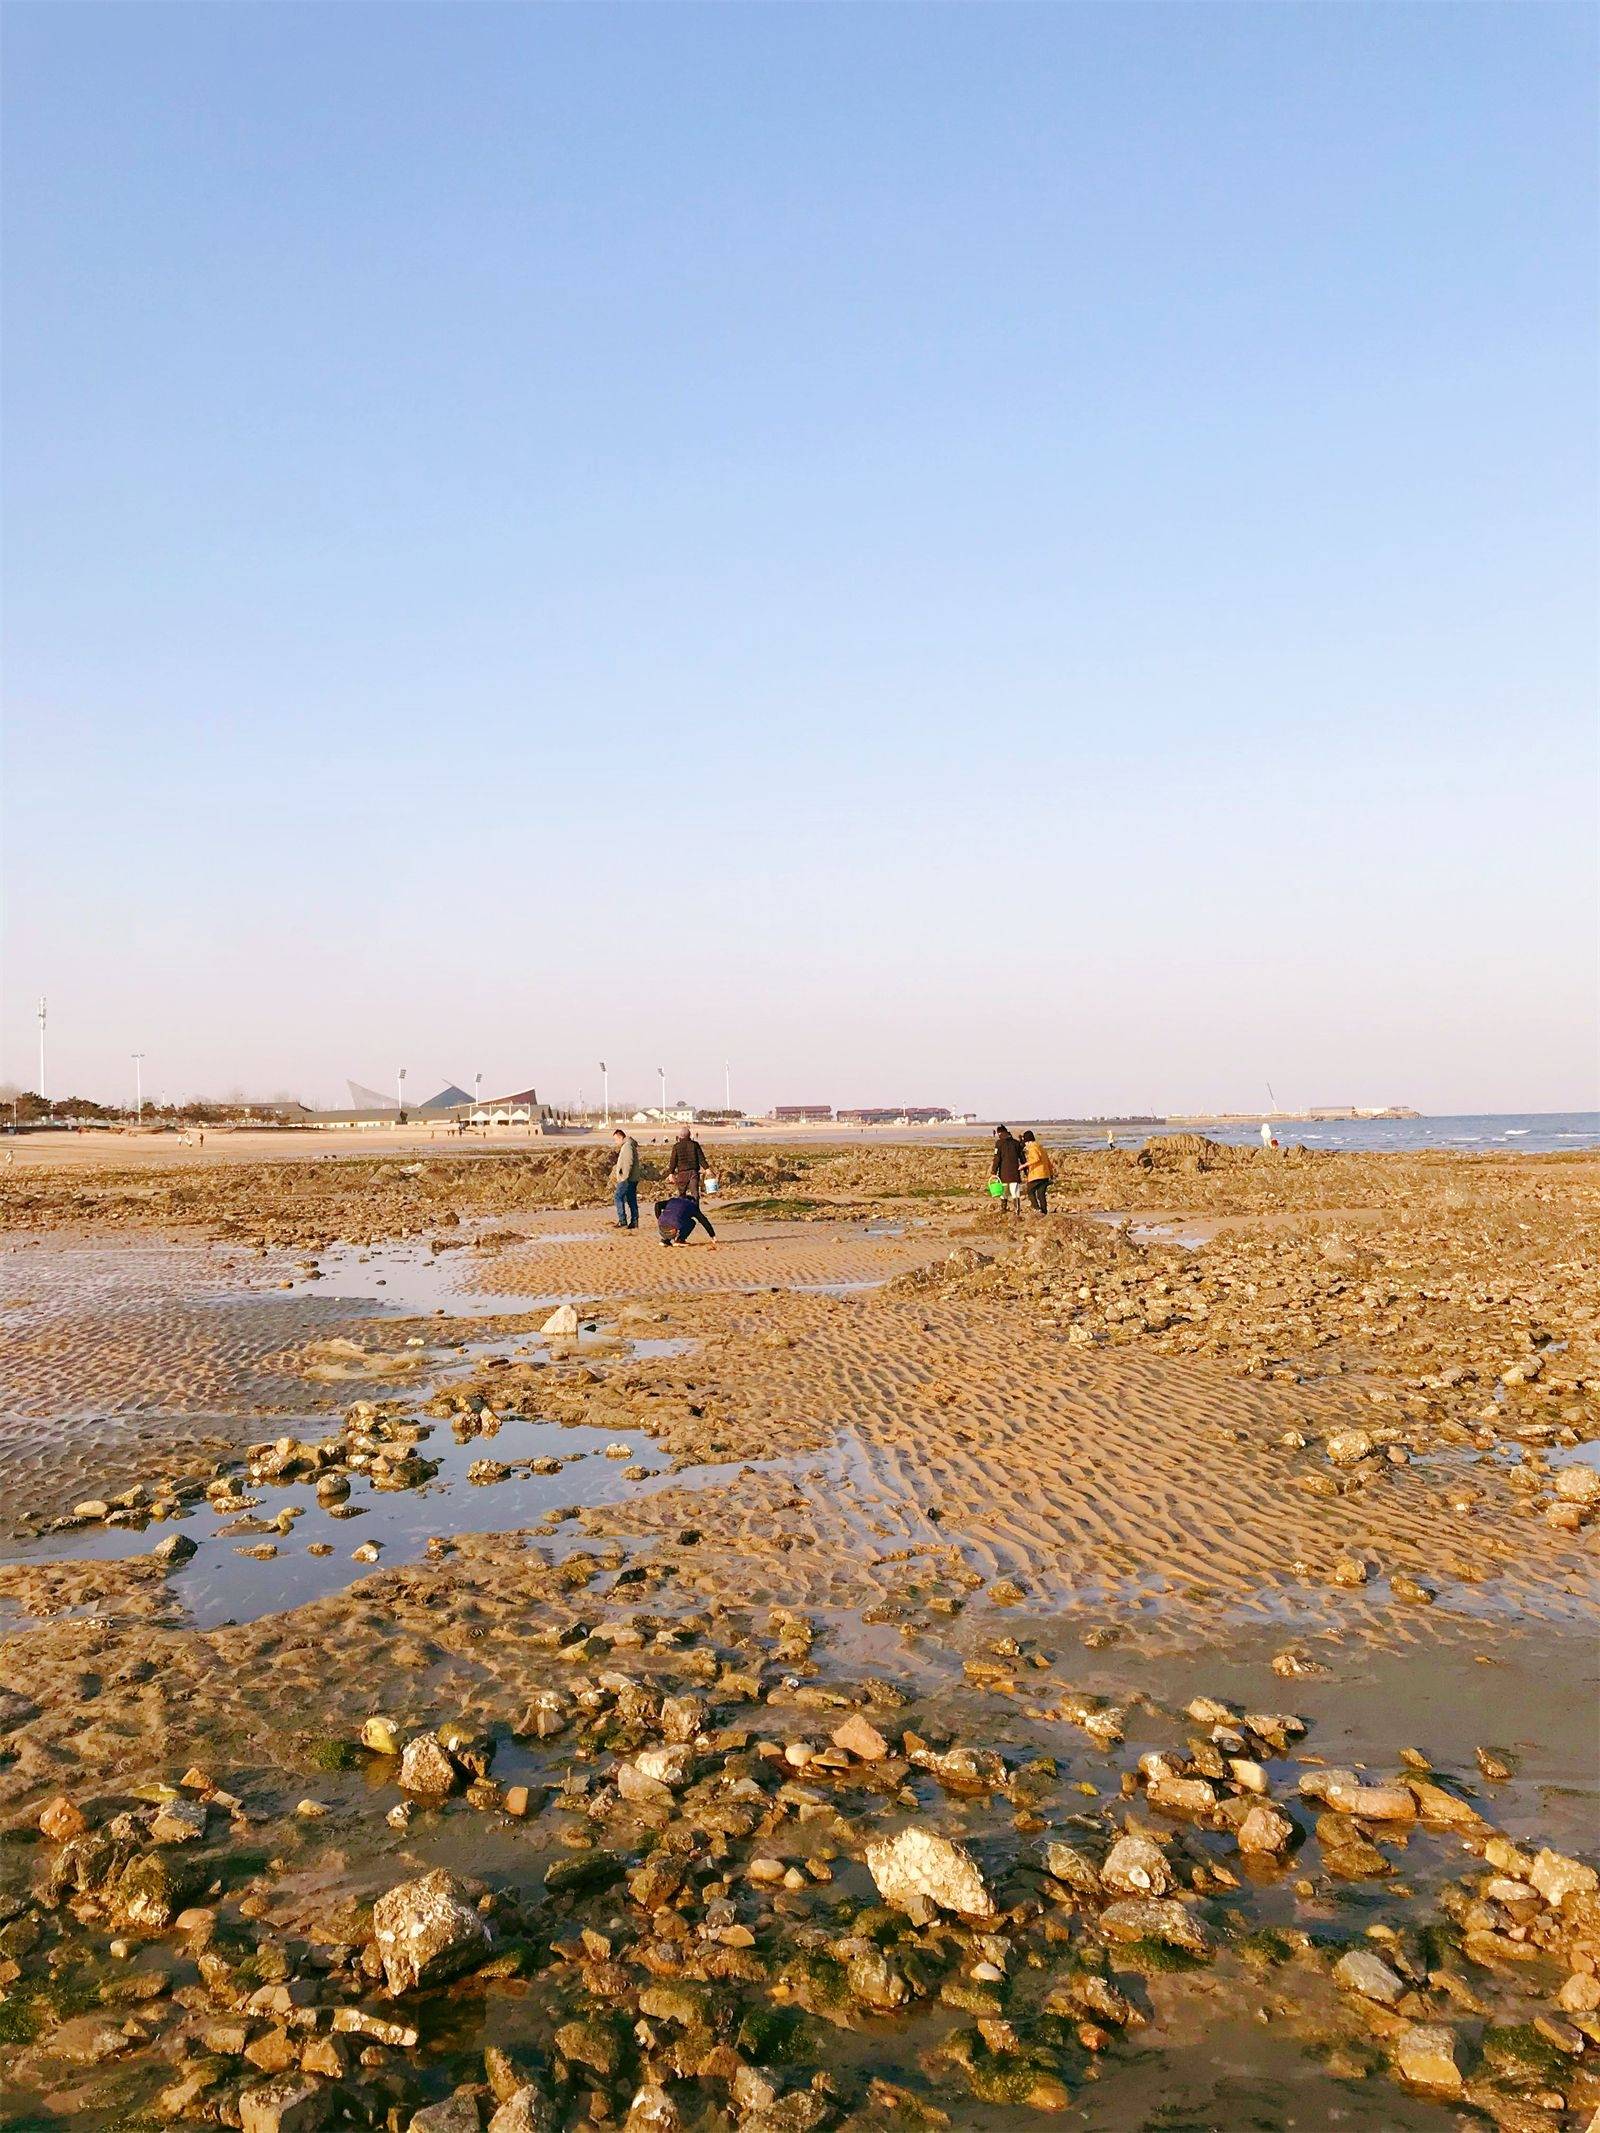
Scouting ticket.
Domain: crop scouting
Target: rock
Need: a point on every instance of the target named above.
(1579, 1484)
(1412, 1590)
(652, 2111)
(671, 1766)
(1425, 2056)
(1194, 1797)
(593, 2044)
(427, 1930)
(458, 2113)
(919, 1868)
(1137, 1866)
(176, 1548)
(682, 1717)
(640, 1788)
(1347, 1447)
(1368, 1974)
(549, 1712)
(60, 1819)
(1073, 1868)
(859, 1738)
(147, 1894)
(179, 1822)
(1557, 1877)
(1155, 1918)
(292, 2105)
(526, 2110)
(1345, 1792)
(426, 1770)
(876, 1983)
(1266, 1831)
(563, 1321)
(380, 1735)
(86, 2040)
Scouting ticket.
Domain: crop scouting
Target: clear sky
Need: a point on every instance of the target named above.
(1037, 557)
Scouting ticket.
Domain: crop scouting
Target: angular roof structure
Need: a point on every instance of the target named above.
(446, 1098)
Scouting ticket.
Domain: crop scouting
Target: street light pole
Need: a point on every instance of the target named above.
(43, 1095)
(605, 1089)
(727, 1086)
(663, 1073)
(138, 1088)
(477, 1092)
(400, 1095)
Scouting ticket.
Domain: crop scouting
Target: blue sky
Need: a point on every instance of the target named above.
(1034, 557)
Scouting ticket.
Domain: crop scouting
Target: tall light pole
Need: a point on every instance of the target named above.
(605, 1089)
(138, 1088)
(400, 1097)
(477, 1092)
(42, 1092)
(663, 1073)
(727, 1086)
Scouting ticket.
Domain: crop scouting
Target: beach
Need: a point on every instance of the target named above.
(905, 1666)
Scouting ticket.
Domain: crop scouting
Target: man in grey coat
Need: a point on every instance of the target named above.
(625, 1180)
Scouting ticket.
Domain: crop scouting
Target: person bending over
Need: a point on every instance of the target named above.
(678, 1217)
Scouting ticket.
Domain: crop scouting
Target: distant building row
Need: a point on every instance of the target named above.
(878, 1115)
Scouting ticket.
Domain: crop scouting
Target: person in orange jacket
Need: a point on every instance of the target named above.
(1037, 1171)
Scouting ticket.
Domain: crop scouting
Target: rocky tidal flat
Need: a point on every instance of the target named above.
(1054, 1675)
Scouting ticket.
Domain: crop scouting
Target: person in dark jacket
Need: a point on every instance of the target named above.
(677, 1217)
(686, 1164)
(1009, 1164)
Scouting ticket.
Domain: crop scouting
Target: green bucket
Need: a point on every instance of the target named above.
(997, 1190)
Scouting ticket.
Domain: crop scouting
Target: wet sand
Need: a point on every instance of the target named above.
(1020, 1478)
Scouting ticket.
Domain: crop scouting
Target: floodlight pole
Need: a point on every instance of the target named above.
(663, 1073)
(400, 1097)
(43, 1097)
(138, 1088)
(727, 1086)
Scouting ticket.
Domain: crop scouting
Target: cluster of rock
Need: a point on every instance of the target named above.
(1445, 1350)
(710, 1868)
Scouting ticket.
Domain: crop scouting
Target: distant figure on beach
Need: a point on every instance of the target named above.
(1038, 1170)
(625, 1180)
(1268, 1138)
(1008, 1167)
(686, 1165)
(677, 1217)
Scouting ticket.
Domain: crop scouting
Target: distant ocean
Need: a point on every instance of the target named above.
(1496, 1133)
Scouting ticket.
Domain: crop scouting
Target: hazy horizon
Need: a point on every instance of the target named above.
(1037, 559)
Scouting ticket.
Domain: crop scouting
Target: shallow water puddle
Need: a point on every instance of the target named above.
(220, 1584)
(413, 1279)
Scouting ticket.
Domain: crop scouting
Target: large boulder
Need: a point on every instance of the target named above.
(426, 1930)
(919, 1868)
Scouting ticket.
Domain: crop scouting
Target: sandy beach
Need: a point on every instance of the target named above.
(900, 1667)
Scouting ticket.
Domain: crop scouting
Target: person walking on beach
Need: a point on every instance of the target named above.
(625, 1180)
(1008, 1165)
(1037, 1171)
(678, 1216)
(686, 1165)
